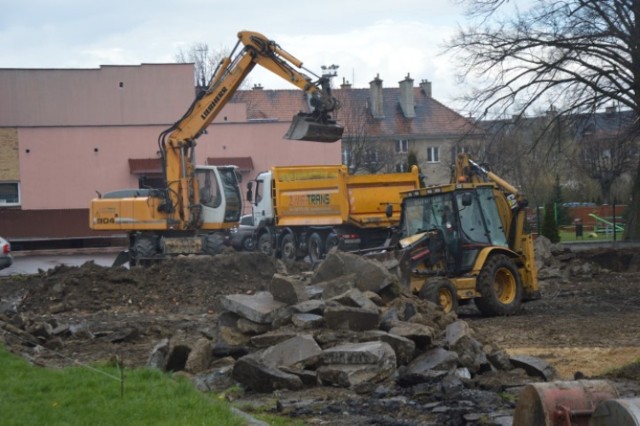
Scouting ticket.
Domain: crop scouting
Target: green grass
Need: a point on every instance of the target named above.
(80, 396)
(588, 236)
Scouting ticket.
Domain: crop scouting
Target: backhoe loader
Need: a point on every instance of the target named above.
(198, 205)
(466, 241)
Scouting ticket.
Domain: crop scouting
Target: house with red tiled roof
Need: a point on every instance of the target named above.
(383, 125)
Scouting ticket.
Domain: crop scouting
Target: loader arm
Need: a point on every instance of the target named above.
(178, 142)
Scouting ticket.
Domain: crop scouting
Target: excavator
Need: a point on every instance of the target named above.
(199, 204)
(466, 241)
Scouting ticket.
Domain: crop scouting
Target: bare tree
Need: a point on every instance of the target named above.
(205, 61)
(362, 152)
(606, 154)
(577, 55)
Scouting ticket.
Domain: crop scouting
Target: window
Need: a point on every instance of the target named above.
(345, 157)
(433, 154)
(402, 167)
(9, 194)
(402, 146)
(371, 156)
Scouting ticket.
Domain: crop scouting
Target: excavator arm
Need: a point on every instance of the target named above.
(178, 142)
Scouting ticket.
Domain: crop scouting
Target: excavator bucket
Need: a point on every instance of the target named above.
(306, 127)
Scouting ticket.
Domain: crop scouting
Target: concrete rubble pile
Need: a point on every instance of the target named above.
(347, 325)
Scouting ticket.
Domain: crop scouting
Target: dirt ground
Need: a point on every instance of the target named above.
(587, 323)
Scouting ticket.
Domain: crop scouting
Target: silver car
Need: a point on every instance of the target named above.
(5, 254)
(242, 235)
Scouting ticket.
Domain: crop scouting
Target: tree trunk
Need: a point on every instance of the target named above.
(632, 228)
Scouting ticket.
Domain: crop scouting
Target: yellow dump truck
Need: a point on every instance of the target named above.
(307, 210)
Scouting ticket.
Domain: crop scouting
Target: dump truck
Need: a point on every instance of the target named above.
(197, 206)
(465, 241)
(304, 211)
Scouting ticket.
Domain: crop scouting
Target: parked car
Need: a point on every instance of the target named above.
(242, 235)
(5, 254)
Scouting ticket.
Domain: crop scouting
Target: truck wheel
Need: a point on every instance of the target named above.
(332, 241)
(315, 247)
(248, 244)
(500, 287)
(212, 244)
(442, 292)
(264, 244)
(143, 248)
(288, 247)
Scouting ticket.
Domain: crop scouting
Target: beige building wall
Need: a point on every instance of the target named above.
(9, 168)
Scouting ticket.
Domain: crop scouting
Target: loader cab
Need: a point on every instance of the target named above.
(465, 217)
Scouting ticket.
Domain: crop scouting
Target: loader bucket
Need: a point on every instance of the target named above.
(306, 127)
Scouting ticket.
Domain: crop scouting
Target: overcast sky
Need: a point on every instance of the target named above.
(389, 38)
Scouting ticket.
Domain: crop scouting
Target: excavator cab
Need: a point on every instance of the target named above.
(314, 128)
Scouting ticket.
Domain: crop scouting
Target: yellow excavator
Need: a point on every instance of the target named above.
(198, 204)
(465, 241)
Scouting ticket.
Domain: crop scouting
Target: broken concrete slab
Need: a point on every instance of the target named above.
(337, 286)
(355, 298)
(272, 338)
(404, 348)
(260, 307)
(370, 274)
(291, 351)
(309, 307)
(346, 317)
(159, 355)
(421, 334)
(200, 356)
(424, 367)
(459, 338)
(249, 327)
(254, 374)
(534, 366)
(351, 376)
(288, 289)
(377, 353)
(307, 321)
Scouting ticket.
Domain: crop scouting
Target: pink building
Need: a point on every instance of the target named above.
(66, 134)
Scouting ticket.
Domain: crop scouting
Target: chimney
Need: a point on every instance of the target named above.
(375, 87)
(610, 109)
(257, 86)
(345, 84)
(425, 86)
(406, 97)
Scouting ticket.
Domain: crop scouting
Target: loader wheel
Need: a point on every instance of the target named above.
(441, 292)
(288, 247)
(315, 247)
(213, 244)
(143, 248)
(265, 245)
(500, 286)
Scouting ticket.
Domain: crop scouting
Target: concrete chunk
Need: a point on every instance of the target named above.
(288, 289)
(307, 321)
(428, 366)
(534, 366)
(421, 334)
(379, 353)
(260, 307)
(260, 377)
(291, 351)
(345, 317)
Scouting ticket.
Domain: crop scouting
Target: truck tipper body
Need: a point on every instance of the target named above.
(307, 210)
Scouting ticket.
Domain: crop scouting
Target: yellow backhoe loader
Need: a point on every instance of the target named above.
(465, 241)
